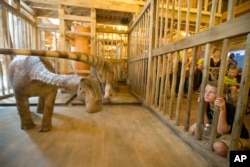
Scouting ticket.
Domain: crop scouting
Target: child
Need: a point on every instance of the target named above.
(232, 85)
(225, 121)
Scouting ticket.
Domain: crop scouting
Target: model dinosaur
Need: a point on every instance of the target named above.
(34, 76)
(105, 69)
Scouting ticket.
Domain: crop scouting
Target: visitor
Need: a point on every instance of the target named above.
(215, 61)
(231, 84)
(225, 121)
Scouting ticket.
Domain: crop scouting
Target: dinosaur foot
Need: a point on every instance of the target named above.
(28, 125)
(106, 100)
(45, 129)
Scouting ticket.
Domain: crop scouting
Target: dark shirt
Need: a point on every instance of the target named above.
(230, 114)
(214, 64)
(214, 70)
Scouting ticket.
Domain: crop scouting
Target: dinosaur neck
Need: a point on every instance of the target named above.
(94, 61)
(68, 82)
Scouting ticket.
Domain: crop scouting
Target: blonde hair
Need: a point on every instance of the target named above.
(215, 84)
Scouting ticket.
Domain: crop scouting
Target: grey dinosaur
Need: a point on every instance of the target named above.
(34, 76)
(105, 69)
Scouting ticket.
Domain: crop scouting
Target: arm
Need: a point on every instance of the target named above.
(222, 127)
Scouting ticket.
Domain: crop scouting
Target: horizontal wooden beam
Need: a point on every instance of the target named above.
(88, 34)
(27, 9)
(219, 32)
(47, 26)
(108, 30)
(77, 18)
(123, 6)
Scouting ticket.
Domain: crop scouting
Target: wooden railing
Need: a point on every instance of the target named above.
(15, 32)
(161, 37)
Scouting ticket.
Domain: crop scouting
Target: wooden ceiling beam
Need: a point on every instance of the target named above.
(122, 6)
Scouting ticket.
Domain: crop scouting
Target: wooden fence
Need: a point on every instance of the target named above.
(15, 32)
(166, 33)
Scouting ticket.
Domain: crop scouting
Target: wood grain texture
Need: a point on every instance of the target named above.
(118, 136)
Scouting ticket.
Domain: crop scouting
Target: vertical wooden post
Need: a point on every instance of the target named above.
(158, 67)
(160, 41)
(183, 72)
(93, 32)
(153, 88)
(151, 44)
(167, 85)
(191, 70)
(166, 23)
(181, 86)
(222, 73)
(173, 85)
(163, 76)
(242, 99)
(172, 22)
(206, 64)
(156, 9)
(62, 45)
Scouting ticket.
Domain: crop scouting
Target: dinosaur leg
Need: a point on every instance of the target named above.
(48, 112)
(40, 106)
(24, 112)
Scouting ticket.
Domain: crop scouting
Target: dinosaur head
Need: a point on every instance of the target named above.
(89, 90)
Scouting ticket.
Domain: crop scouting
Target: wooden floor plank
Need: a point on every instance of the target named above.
(117, 136)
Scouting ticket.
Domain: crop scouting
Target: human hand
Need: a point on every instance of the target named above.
(220, 102)
(198, 99)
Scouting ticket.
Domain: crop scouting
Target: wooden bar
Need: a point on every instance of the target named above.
(202, 106)
(163, 76)
(167, 83)
(172, 22)
(190, 88)
(160, 41)
(220, 88)
(153, 89)
(210, 35)
(181, 87)
(200, 116)
(179, 21)
(156, 42)
(191, 71)
(173, 84)
(159, 65)
(166, 28)
(219, 93)
(151, 44)
(242, 98)
(62, 44)
(86, 34)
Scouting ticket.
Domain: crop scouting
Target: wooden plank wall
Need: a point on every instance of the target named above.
(15, 32)
(171, 36)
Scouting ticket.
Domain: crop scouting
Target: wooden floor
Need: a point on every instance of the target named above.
(123, 134)
(128, 136)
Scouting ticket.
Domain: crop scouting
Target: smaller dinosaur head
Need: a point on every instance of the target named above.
(89, 90)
